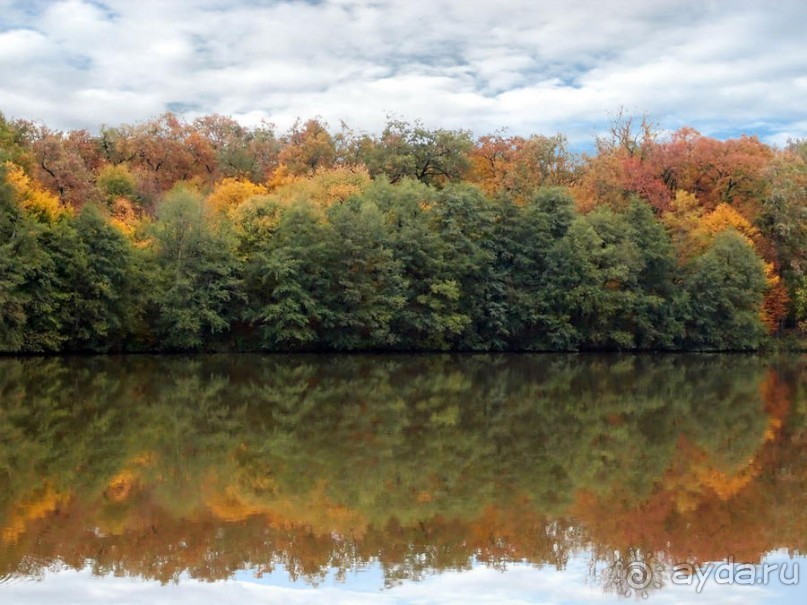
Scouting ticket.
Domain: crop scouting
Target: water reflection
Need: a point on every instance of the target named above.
(315, 467)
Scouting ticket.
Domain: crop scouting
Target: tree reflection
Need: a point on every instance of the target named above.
(156, 467)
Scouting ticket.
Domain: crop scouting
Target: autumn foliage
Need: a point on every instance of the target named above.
(206, 234)
(165, 468)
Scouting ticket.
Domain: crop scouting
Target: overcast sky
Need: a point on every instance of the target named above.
(521, 584)
(724, 67)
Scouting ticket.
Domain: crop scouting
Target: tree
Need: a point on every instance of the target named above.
(525, 235)
(626, 166)
(465, 221)
(32, 231)
(612, 280)
(116, 181)
(64, 163)
(434, 157)
(13, 143)
(430, 317)
(240, 153)
(307, 147)
(16, 243)
(159, 154)
(31, 196)
(229, 193)
(518, 166)
(285, 273)
(324, 188)
(782, 221)
(97, 267)
(725, 286)
(197, 291)
(366, 288)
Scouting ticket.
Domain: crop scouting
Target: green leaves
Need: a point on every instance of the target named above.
(198, 279)
(433, 157)
(725, 287)
(395, 267)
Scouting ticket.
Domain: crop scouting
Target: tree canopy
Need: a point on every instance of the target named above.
(207, 235)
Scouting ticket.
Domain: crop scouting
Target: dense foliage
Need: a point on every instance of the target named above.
(207, 235)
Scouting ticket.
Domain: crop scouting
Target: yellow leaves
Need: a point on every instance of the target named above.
(37, 505)
(280, 177)
(309, 147)
(257, 218)
(682, 222)
(693, 229)
(230, 193)
(601, 184)
(685, 203)
(484, 172)
(723, 484)
(116, 181)
(698, 474)
(686, 501)
(725, 217)
(312, 509)
(424, 497)
(449, 416)
(32, 197)
(124, 216)
(123, 483)
(120, 486)
(327, 186)
(773, 428)
(230, 505)
(771, 278)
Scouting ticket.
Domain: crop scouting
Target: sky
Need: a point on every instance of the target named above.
(520, 584)
(724, 67)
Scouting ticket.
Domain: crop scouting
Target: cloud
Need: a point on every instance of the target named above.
(518, 585)
(721, 66)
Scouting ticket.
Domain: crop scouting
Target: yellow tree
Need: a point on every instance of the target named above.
(693, 229)
(34, 198)
(327, 186)
(229, 193)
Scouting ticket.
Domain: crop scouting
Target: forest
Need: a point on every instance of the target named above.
(206, 235)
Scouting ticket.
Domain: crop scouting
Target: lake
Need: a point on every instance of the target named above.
(403, 479)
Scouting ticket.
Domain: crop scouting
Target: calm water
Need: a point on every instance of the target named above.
(403, 479)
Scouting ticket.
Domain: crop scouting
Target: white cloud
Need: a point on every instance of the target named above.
(520, 584)
(530, 66)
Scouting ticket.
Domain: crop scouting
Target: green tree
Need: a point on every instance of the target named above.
(430, 317)
(198, 290)
(13, 146)
(285, 273)
(97, 268)
(725, 286)
(434, 157)
(782, 220)
(31, 291)
(465, 221)
(612, 280)
(16, 243)
(116, 181)
(525, 236)
(366, 289)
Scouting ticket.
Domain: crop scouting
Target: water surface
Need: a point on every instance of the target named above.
(401, 479)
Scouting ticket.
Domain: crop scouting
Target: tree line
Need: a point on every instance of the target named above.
(178, 236)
